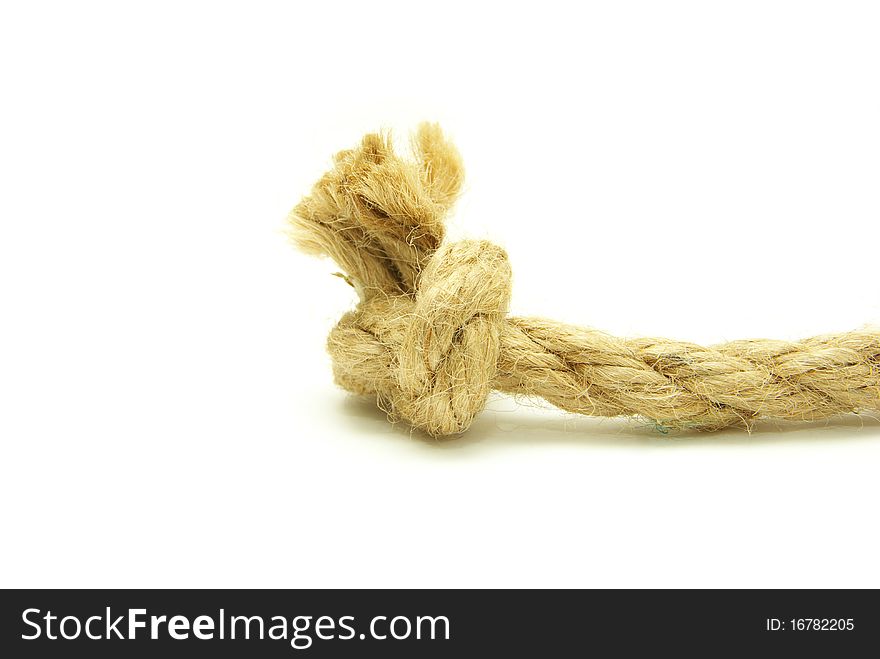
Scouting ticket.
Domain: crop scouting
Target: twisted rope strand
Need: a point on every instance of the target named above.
(431, 336)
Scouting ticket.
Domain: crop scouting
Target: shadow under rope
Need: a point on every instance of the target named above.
(506, 421)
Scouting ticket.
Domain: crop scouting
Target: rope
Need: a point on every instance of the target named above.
(430, 338)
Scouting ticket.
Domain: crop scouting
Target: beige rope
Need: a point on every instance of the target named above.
(431, 338)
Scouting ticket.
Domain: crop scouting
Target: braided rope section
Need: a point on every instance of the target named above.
(431, 337)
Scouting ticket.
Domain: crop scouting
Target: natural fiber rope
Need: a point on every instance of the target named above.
(431, 338)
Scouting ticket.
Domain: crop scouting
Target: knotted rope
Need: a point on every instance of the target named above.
(430, 337)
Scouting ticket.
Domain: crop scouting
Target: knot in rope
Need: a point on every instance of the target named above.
(430, 337)
(449, 354)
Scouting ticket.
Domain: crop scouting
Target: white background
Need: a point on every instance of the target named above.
(706, 171)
